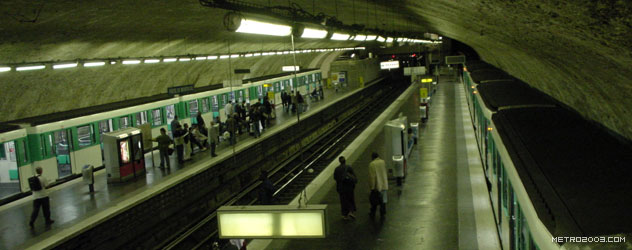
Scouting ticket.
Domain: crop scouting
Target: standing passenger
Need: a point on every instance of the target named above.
(294, 101)
(213, 137)
(174, 124)
(40, 199)
(228, 109)
(345, 184)
(230, 127)
(163, 146)
(200, 124)
(378, 184)
(178, 137)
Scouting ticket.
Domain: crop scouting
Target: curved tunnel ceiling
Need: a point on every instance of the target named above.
(576, 51)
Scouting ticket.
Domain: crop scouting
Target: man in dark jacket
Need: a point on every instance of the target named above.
(266, 189)
(345, 184)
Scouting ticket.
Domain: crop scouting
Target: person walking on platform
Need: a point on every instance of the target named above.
(228, 109)
(39, 184)
(378, 184)
(213, 137)
(231, 123)
(163, 146)
(294, 101)
(268, 110)
(322, 93)
(284, 100)
(201, 126)
(175, 123)
(178, 137)
(345, 185)
(187, 143)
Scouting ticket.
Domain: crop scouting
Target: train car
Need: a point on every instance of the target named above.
(15, 166)
(561, 176)
(62, 143)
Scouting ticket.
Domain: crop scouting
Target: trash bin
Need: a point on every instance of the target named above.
(88, 176)
(398, 168)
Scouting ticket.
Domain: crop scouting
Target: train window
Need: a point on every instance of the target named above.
(503, 179)
(141, 118)
(157, 117)
(3, 154)
(124, 122)
(43, 145)
(193, 108)
(22, 150)
(205, 105)
(85, 135)
(215, 103)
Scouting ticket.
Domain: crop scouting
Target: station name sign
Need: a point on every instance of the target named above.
(180, 89)
(389, 65)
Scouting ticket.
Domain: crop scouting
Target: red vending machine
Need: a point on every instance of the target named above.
(123, 153)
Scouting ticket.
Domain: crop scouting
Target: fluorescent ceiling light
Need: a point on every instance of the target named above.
(256, 27)
(93, 64)
(359, 38)
(234, 55)
(256, 54)
(360, 48)
(371, 37)
(389, 39)
(5, 69)
(290, 68)
(131, 61)
(34, 67)
(286, 52)
(279, 52)
(184, 59)
(224, 56)
(169, 59)
(314, 33)
(211, 57)
(381, 39)
(247, 55)
(112, 62)
(152, 61)
(339, 37)
(64, 66)
(200, 58)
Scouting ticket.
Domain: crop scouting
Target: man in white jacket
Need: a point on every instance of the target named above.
(378, 183)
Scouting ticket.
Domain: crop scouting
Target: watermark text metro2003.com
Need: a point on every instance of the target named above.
(598, 239)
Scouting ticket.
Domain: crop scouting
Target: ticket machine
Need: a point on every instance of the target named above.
(123, 152)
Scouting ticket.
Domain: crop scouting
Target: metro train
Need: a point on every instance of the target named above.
(555, 179)
(62, 143)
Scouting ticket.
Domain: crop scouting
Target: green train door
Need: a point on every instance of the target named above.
(62, 143)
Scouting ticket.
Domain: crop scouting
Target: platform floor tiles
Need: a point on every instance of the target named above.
(72, 202)
(423, 213)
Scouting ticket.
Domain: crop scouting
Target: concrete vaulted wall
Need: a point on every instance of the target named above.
(579, 52)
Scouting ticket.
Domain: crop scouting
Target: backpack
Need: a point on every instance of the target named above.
(35, 184)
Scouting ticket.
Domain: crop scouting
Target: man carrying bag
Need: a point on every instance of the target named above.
(378, 183)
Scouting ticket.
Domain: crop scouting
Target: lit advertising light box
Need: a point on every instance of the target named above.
(272, 222)
(389, 65)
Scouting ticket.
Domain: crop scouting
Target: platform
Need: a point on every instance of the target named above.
(443, 203)
(73, 208)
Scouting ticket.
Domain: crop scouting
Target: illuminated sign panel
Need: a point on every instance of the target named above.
(290, 68)
(274, 221)
(389, 65)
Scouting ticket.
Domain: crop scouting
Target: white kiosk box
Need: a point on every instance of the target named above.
(396, 142)
(123, 152)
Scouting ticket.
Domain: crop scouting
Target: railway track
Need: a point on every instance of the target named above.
(293, 175)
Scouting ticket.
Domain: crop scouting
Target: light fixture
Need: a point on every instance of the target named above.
(33, 67)
(64, 65)
(359, 38)
(5, 69)
(169, 59)
(224, 56)
(184, 59)
(200, 58)
(236, 22)
(381, 39)
(234, 55)
(256, 54)
(314, 33)
(211, 57)
(151, 61)
(93, 64)
(290, 68)
(112, 62)
(127, 62)
(248, 55)
(389, 39)
(371, 37)
(340, 37)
